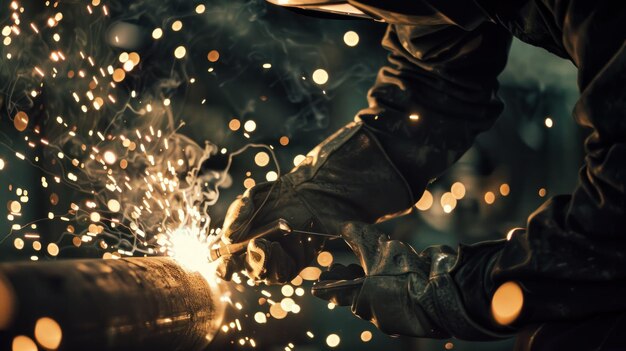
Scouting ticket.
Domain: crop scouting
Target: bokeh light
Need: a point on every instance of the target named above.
(48, 333)
(351, 38)
(320, 76)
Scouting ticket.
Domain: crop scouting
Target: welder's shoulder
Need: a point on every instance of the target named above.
(463, 13)
(528, 20)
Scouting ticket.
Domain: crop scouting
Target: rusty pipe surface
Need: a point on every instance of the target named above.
(125, 304)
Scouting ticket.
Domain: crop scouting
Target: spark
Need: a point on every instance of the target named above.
(39, 71)
(320, 76)
(189, 247)
(138, 191)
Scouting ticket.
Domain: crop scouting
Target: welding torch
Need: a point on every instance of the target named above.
(273, 230)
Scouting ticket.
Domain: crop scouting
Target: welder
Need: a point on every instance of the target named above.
(560, 282)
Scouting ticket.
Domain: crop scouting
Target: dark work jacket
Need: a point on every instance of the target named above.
(444, 59)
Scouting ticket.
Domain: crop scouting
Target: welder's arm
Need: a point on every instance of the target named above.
(571, 260)
(566, 267)
(445, 78)
(378, 167)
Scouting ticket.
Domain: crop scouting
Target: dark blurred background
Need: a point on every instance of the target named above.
(263, 72)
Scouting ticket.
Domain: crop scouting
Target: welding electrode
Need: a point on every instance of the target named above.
(274, 230)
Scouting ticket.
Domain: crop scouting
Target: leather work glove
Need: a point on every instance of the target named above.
(400, 291)
(346, 177)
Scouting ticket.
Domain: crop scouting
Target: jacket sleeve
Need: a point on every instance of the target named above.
(571, 260)
(435, 95)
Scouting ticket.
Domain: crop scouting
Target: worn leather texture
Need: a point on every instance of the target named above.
(339, 181)
(447, 75)
(400, 291)
(444, 59)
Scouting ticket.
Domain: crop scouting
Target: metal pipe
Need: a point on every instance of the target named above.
(125, 304)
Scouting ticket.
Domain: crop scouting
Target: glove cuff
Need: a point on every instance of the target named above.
(444, 300)
(449, 313)
(350, 173)
(414, 301)
(384, 301)
(431, 310)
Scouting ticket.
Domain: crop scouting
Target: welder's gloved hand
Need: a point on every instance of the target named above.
(346, 177)
(400, 291)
